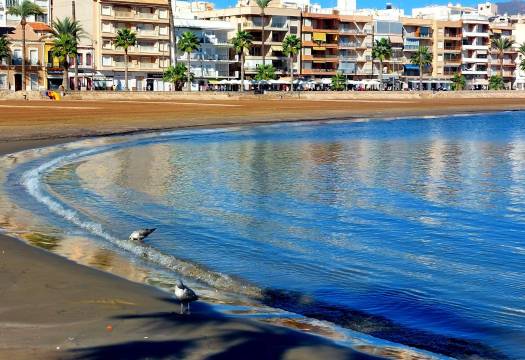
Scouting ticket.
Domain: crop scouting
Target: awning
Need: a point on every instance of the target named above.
(213, 82)
(411, 67)
(319, 48)
(496, 31)
(319, 37)
(277, 47)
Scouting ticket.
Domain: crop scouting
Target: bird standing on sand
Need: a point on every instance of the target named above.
(141, 234)
(185, 295)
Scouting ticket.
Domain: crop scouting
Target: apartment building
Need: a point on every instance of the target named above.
(355, 46)
(394, 67)
(37, 35)
(504, 65)
(320, 40)
(11, 20)
(214, 59)
(417, 33)
(519, 37)
(279, 21)
(475, 51)
(448, 47)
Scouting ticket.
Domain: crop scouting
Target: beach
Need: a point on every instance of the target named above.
(54, 308)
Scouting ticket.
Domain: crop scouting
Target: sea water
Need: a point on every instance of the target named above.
(412, 230)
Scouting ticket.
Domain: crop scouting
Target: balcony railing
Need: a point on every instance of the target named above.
(123, 14)
(146, 15)
(146, 65)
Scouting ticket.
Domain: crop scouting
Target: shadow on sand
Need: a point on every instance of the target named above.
(208, 334)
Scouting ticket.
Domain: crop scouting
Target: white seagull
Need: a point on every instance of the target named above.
(141, 234)
(185, 295)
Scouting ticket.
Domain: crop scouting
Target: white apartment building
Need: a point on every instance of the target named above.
(11, 20)
(214, 57)
(475, 50)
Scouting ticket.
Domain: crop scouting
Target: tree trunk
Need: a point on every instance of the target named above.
(291, 72)
(23, 22)
(380, 75)
(126, 69)
(420, 77)
(188, 72)
(76, 73)
(8, 72)
(65, 80)
(242, 71)
(262, 42)
(501, 65)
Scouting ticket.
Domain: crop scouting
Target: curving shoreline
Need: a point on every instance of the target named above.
(50, 302)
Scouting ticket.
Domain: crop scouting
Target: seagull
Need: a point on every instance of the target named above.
(141, 234)
(185, 295)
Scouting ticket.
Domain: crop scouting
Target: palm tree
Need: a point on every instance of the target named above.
(241, 42)
(263, 4)
(176, 75)
(338, 82)
(125, 39)
(521, 50)
(422, 58)
(291, 47)
(381, 51)
(188, 43)
(5, 53)
(458, 82)
(24, 9)
(64, 46)
(496, 82)
(73, 28)
(265, 72)
(501, 44)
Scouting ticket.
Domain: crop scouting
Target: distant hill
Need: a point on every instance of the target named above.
(512, 7)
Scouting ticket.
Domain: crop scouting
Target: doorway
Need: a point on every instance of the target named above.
(18, 82)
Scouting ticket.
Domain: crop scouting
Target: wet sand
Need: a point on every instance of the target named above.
(53, 308)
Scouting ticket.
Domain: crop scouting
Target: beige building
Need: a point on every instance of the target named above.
(504, 65)
(101, 19)
(37, 35)
(279, 21)
(355, 46)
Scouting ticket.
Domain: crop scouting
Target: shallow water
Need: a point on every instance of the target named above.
(410, 231)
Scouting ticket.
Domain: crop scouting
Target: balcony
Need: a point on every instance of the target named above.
(349, 44)
(146, 65)
(475, 47)
(123, 14)
(474, 72)
(475, 60)
(353, 31)
(475, 34)
(318, 71)
(146, 15)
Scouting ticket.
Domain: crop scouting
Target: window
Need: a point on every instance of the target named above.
(293, 30)
(307, 22)
(106, 27)
(3, 81)
(17, 57)
(163, 30)
(106, 60)
(106, 10)
(307, 37)
(106, 44)
(34, 81)
(163, 13)
(80, 58)
(33, 57)
(308, 51)
(89, 59)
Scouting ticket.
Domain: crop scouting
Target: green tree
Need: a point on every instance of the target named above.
(458, 82)
(24, 9)
(188, 43)
(496, 82)
(501, 44)
(422, 58)
(5, 53)
(263, 4)
(382, 50)
(125, 39)
(291, 47)
(265, 72)
(73, 28)
(175, 75)
(338, 82)
(242, 41)
(64, 46)
(521, 50)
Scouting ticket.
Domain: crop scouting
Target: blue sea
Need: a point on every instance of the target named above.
(409, 231)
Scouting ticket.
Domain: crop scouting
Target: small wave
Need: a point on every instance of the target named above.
(31, 180)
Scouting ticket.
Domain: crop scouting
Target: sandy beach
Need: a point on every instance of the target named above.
(53, 308)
